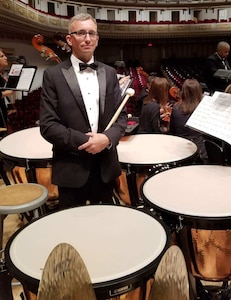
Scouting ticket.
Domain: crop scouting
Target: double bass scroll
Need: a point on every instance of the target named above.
(60, 40)
(49, 54)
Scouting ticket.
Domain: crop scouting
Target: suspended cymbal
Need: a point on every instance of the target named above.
(171, 277)
(65, 276)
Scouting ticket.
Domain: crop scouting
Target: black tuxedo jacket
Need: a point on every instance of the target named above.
(64, 123)
(214, 63)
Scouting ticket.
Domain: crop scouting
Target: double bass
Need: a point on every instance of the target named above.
(174, 92)
(46, 52)
(60, 41)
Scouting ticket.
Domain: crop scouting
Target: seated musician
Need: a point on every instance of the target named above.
(3, 94)
(191, 95)
(143, 95)
(155, 112)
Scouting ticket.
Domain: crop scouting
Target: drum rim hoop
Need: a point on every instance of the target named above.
(133, 278)
(201, 221)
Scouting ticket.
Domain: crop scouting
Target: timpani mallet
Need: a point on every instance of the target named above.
(129, 93)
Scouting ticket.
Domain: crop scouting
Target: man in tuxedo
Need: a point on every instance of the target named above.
(77, 103)
(216, 61)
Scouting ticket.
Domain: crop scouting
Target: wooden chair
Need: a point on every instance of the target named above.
(65, 276)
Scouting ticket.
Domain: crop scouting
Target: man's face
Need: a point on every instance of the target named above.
(224, 52)
(84, 39)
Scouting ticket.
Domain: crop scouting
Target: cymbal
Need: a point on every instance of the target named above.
(3, 129)
(65, 276)
(171, 277)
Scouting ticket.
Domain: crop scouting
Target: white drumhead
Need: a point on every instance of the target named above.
(198, 190)
(154, 148)
(113, 241)
(27, 144)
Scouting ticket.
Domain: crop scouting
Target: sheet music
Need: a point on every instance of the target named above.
(213, 116)
(20, 78)
(223, 73)
(15, 70)
(13, 77)
(25, 79)
(125, 86)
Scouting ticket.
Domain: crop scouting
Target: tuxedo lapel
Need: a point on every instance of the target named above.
(72, 81)
(102, 87)
(227, 64)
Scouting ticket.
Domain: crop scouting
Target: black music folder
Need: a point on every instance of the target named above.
(20, 78)
(212, 116)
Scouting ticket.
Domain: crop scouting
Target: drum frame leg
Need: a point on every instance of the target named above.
(28, 295)
(3, 173)
(5, 282)
(1, 235)
(30, 173)
(132, 186)
(213, 292)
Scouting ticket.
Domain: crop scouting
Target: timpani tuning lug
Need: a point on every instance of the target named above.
(156, 213)
(179, 226)
(155, 169)
(2, 264)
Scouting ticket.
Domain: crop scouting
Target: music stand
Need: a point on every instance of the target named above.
(211, 116)
(223, 74)
(20, 79)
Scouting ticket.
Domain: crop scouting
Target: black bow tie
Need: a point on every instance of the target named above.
(83, 66)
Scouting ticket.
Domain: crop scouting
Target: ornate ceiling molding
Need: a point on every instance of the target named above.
(20, 21)
(150, 3)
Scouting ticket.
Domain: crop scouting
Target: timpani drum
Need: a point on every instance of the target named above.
(120, 246)
(195, 201)
(141, 155)
(26, 157)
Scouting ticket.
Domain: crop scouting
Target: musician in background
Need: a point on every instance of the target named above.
(143, 94)
(214, 62)
(3, 94)
(191, 95)
(77, 103)
(155, 113)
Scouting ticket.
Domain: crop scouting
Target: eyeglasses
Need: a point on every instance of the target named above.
(81, 34)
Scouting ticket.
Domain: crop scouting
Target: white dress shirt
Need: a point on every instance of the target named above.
(89, 87)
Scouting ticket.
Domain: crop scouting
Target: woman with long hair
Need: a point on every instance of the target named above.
(191, 95)
(155, 107)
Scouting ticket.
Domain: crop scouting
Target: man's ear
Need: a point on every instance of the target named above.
(97, 43)
(68, 39)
